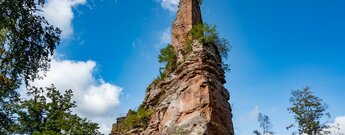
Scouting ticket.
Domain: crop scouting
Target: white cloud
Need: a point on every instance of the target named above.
(341, 122)
(60, 14)
(170, 5)
(338, 126)
(102, 97)
(252, 115)
(255, 112)
(96, 99)
(165, 38)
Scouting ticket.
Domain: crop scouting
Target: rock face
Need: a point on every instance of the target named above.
(192, 99)
(189, 14)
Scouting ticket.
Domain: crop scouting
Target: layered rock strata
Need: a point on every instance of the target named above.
(192, 99)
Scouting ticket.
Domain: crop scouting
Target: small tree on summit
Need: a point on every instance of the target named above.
(208, 34)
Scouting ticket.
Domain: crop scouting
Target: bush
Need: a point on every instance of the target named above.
(168, 56)
(208, 35)
(200, 2)
(139, 118)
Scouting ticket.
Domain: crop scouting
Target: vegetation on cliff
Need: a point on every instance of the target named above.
(167, 57)
(138, 118)
(203, 33)
(208, 35)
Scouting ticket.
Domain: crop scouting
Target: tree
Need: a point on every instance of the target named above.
(200, 1)
(135, 118)
(265, 124)
(308, 111)
(256, 132)
(168, 56)
(208, 34)
(49, 112)
(26, 42)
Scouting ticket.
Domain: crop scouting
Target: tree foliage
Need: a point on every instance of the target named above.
(2, 37)
(29, 40)
(265, 123)
(208, 34)
(308, 111)
(167, 57)
(26, 42)
(200, 2)
(49, 112)
(138, 118)
(256, 132)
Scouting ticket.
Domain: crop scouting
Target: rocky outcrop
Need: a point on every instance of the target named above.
(192, 98)
(189, 14)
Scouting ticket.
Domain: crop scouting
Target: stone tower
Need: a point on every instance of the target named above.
(192, 99)
(189, 14)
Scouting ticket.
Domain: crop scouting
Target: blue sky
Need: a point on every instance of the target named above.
(278, 46)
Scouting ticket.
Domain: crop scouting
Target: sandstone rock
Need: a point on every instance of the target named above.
(189, 14)
(193, 99)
